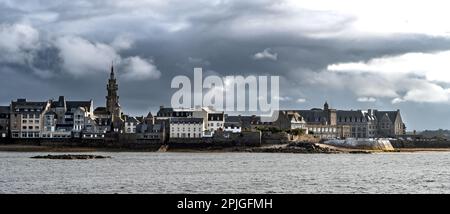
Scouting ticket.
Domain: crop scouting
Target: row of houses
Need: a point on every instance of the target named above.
(67, 119)
(61, 118)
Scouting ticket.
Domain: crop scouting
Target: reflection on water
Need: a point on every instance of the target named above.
(143, 172)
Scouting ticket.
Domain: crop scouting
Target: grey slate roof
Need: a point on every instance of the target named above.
(22, 104)
(391, 114)
(78, 104)
(129, 119)
(4, 109)
(61, 103)
(313, 115)
(233, 119)
(100, 110)
(186, 120)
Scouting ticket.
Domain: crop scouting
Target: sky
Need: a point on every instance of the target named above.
(355, 54)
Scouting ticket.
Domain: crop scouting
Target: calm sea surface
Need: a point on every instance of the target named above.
(140, 172)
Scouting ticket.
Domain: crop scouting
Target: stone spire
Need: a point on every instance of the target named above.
(111, 75)
(112, 99)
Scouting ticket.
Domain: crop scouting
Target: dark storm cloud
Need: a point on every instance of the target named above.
(77, 42)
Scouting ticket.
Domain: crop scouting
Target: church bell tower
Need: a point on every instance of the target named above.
(112, 99)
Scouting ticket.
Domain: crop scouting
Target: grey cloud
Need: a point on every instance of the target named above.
(173, 37)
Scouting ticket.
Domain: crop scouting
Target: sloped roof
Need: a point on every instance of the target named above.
(4, 109)
(350, 113)
(78, 104)
(186, 120)
(21, 104)
(129, 119)
(392, 115)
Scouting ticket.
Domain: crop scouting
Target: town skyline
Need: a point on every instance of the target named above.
(321, 51)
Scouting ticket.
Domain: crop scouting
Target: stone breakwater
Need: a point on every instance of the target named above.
(71, 157)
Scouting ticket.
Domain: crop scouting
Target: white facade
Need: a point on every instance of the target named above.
(186, 128)
(130, 127)
(79, 118)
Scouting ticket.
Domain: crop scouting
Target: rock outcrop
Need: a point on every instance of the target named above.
(71, 157)
(369, 144)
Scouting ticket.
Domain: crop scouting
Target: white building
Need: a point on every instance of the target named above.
(130, 124)
(186, 127)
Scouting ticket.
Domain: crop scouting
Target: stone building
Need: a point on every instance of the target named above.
(288, 120)
(390, 123)
(361, 124)
(4, 121)
(26, 118)
(66, 119)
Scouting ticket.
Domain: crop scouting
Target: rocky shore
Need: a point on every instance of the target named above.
(71, 157)
(298, 147)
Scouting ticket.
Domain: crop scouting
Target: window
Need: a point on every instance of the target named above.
(24, 121)
(24, 127)
(36, 127)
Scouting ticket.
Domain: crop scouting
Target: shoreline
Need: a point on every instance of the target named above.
(235, 149)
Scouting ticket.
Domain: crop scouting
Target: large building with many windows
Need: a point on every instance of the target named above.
(183, 127)
(27, 118)
(358, 123)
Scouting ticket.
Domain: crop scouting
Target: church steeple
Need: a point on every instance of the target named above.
(111, 75)
(112, 99)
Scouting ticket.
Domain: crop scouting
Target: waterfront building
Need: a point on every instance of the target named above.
(328, 131)
(233, 124)
(390, 123)
(102, 119)
(363, 124)
(4, 121)
(212, 120)
(68, 117)
(186, 127)
(154, 132)
(288, 120)
(26, 118)
(130, 124)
